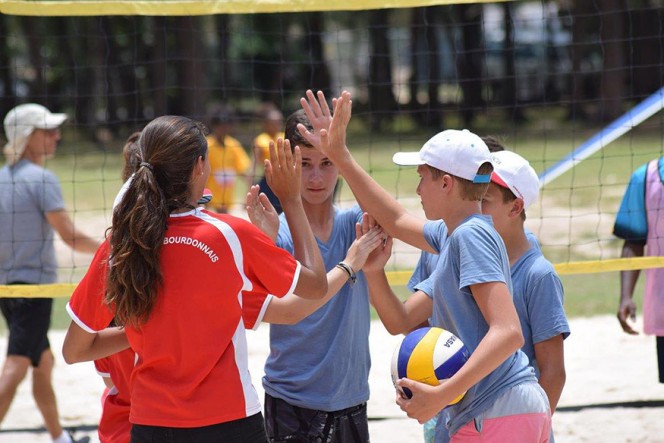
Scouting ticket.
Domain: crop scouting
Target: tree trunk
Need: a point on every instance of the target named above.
(318, 77)
(434, 115)
(509, 97)
(580, 13)
(223, 82)
(158, 67)
(6, 68)
(31, 27)
(111, 58)
(190, 72)
(470, 62)
(414, 79)
(129, 84)
(612, 33)
(381, 97)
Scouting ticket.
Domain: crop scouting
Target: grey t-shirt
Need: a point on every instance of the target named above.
(27, 253)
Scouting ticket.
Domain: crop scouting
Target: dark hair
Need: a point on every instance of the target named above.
(132, 156)
(493, 143)
(169, 148)
(292, 134)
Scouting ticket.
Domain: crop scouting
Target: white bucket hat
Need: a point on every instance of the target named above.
(19, 124)
(459, 153)
(514, 172)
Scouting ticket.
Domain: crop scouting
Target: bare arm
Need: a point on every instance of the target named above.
(74, 238)
(283, 173)
(628, 279)
(503, 339)
(398, 317)
(81, 345)
(329, 137)
(551, 362)
(292, 308)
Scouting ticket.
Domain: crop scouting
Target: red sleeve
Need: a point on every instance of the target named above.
(86, 306)
(253, 308)
(272, 270)
(103, 367)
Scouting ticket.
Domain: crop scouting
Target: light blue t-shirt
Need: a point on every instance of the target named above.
(323, 361)
(435, 233)
(474, 253)
(27, 253)
(538, 298)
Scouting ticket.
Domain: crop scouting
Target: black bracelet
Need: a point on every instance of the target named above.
(351, 274)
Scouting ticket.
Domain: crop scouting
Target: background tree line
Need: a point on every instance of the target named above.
(108, 72)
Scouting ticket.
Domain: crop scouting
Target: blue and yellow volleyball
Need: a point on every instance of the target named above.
(429, 355)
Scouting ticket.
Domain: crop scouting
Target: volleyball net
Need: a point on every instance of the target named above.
(575, 87)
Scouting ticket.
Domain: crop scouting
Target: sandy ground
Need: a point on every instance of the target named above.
(611, 395)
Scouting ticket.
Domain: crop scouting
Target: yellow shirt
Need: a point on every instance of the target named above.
(262, 142)
(226, 162)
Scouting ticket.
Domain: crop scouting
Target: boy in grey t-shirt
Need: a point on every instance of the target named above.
(31, 208)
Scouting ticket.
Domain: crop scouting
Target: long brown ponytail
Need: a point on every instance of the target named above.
(169, 147)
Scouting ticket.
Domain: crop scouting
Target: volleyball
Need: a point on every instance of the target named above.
(428, 355)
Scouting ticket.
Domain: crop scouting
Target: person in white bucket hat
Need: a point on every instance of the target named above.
(21, 124)
(31, 208)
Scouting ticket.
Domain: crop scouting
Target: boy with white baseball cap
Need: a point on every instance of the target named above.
(31, 209)
(472, 286)
(459, 153)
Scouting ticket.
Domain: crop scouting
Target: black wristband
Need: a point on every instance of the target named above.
(351, 273)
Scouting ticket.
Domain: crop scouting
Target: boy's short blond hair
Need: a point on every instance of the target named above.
(468, 190)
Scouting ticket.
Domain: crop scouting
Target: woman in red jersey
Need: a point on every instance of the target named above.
(174, 276)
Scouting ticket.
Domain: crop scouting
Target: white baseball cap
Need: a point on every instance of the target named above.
(459, 153)
(514, 172)
(19, 124)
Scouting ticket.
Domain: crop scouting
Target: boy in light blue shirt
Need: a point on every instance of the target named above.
(471, 290)
(317, 374)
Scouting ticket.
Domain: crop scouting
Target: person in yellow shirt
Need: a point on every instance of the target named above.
(273, 123)
(228, 160)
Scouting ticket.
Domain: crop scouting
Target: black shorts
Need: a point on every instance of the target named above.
(660, 358)
(245, 430)
(28, 320)
(286, 423)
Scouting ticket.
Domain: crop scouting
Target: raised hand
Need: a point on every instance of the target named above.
(329, 130)
(261, 212)
(283, 171)
(319, 115)
(363, 245)
(378, 257)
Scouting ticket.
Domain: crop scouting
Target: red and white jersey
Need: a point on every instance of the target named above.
(114, 425)
(191, 367)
